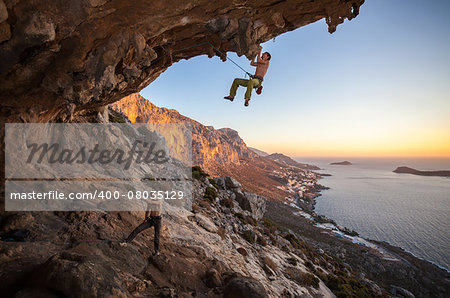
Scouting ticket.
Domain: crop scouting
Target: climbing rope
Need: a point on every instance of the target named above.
(246, 72)
(193, 46)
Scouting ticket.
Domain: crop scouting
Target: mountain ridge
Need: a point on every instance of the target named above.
(211, 147)
(280, 157)
(220, 152)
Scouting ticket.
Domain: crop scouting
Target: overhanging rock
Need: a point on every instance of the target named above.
(65, 58)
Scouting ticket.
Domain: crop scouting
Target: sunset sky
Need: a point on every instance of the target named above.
(379, 86)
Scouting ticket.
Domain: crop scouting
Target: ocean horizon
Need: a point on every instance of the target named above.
(405, 210)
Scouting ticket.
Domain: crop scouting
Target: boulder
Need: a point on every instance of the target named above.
(251, 202)
(373, 286)
(242, 251)
(212, 278)
(220, 181)
(232, 183)
(61, 274)
(401, 292)
(244, 287)
(205, 223)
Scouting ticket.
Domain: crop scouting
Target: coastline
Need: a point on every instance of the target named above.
(391, 267)
(420, 277)
(310, 209)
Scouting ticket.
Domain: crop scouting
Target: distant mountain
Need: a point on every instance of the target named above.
(259, 152)
(281, 158)
(407, 170)
(341, 163)
(220, 152)
(211, 147)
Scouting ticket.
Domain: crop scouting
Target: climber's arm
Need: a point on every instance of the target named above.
(258, 58)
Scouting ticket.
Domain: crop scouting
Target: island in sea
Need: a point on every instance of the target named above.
(408, 170)
(341, 163)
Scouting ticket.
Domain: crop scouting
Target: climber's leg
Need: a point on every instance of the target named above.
(235, 85)
(143, 226)
(157, 221)
(250, 84)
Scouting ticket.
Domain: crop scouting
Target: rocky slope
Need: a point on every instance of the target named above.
(218, 151)
(218, 249)
(61, 59)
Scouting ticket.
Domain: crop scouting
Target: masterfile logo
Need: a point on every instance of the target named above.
(53, 154)
(91, 167)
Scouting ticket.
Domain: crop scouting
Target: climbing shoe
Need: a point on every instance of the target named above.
(246, 102)
(230, 98)
(259, 90)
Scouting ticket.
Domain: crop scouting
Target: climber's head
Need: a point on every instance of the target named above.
(266, 56)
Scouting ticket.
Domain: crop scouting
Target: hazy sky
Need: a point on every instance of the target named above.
(378, 86)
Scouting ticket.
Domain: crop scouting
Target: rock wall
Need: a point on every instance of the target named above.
(210, 147)
(63, 58)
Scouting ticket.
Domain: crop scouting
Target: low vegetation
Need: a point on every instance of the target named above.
(198, 173)
(210, 194)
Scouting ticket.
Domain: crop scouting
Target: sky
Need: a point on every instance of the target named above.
(378, 86)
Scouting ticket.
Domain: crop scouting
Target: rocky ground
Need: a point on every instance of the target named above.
(231, 244)
(223, 247)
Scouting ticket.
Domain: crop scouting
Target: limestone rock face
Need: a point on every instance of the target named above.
(211, 147)
(60, 58)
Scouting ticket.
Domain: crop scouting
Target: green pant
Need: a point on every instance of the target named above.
(250, 84)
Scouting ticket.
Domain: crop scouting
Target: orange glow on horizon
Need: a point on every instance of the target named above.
(431, 146)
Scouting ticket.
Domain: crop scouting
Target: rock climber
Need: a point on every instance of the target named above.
(255, 81)
(152, 219)
(152, 216)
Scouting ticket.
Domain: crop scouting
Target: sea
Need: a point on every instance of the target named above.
(409, 211)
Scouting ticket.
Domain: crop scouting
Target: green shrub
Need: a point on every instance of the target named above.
(116, 117)
(249, 236)
(269, 224)
(296, 243)
(251, 221)
(292, 261)
(198, 173)
(241, 217)
(261, 240)
(346, 287)
(210, 194)
(246, 219)
(309, 265)
(311, 280)
(213, 182)
(323, 277)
